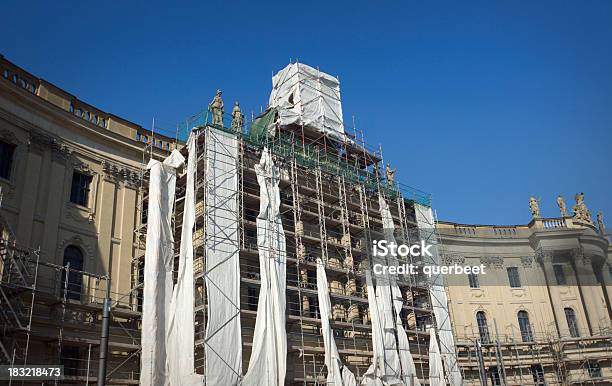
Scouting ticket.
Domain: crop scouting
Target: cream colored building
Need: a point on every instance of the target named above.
(545, 298)
(71, 178)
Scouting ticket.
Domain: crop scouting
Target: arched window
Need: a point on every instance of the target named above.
(483, 328)
(572, 322)
(525, 326)
(73, 260)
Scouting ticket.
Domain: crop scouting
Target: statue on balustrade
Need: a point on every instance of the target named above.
(216, 108)
(600, 222)
(390, 175)
(562, 207)
(581, 213)
(534, 207)
(237, 118)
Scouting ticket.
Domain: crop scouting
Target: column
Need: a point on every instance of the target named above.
(30, 189)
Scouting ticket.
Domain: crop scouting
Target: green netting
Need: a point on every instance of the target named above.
(287, 147)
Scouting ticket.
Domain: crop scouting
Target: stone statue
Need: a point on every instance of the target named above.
(216, 108)
(562, 207)
(237, 117)
(600, 222)
(533, 206)
(390, 175)
(581, 213)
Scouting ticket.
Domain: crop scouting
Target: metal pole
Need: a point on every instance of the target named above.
(104, 337)
(88, 361)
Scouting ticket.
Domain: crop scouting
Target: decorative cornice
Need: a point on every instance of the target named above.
(527, 261)
(496, 262)
(118, 174)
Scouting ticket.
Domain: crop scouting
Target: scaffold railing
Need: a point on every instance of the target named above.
(310, 155)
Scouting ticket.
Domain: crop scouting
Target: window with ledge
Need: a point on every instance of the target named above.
(525, 326)
(79, 192)
(513, 277)
(572, 322)
(559, 274)
(473, 280)
(7, 151)
(483, 328)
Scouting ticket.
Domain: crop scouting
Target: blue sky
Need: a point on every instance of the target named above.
(481, 103)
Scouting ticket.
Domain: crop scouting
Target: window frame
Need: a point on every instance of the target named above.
(9, 161)
(537, 372)
(83, 192)
(572, 326)
(525, 326)
(483, 327)
(514, 279)
(73, 254)
(594, 369)
(473, 281)
(559, 272)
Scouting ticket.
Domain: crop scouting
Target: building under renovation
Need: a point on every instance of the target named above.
(244, 257)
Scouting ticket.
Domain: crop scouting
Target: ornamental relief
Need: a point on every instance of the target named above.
(77, 241)
(496, 262)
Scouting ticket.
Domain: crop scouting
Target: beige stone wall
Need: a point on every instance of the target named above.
(583, 254)
(55, 135)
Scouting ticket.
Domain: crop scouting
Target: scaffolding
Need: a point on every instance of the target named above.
(329, 207)
(52, 314)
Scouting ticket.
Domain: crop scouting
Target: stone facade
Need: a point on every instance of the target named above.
(564, 288)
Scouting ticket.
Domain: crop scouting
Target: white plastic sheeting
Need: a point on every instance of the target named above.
(392, 363)
(408, 369)
(223, 341)
(375, 373)
(159, 253)
(439, 299)
(180, 332)
(436, 371)
(268, 362)
(309, 97)
(337, 374)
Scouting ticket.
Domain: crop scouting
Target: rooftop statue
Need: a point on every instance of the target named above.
(534, 207)
(390, 175)
(600, 222)
(237, 118)
(581, 213)
(562, 207)
(216, 108)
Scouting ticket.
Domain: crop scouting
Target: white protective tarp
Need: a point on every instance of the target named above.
(436, 371)
(180, 334)
(223, 341)
(158, 266)
(337, 374)
(267, 365)
(306, 96)
(373, 375)
(408, 369)
(437, 293)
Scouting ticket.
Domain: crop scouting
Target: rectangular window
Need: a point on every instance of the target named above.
(494, 376)
(79, 192)
(252, 298)
(559, 274)
(7, 151)
(538, 375)
(594, 369)
(473, 279)
(513, 277)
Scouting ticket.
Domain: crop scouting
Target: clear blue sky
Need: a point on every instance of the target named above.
(481, 103)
